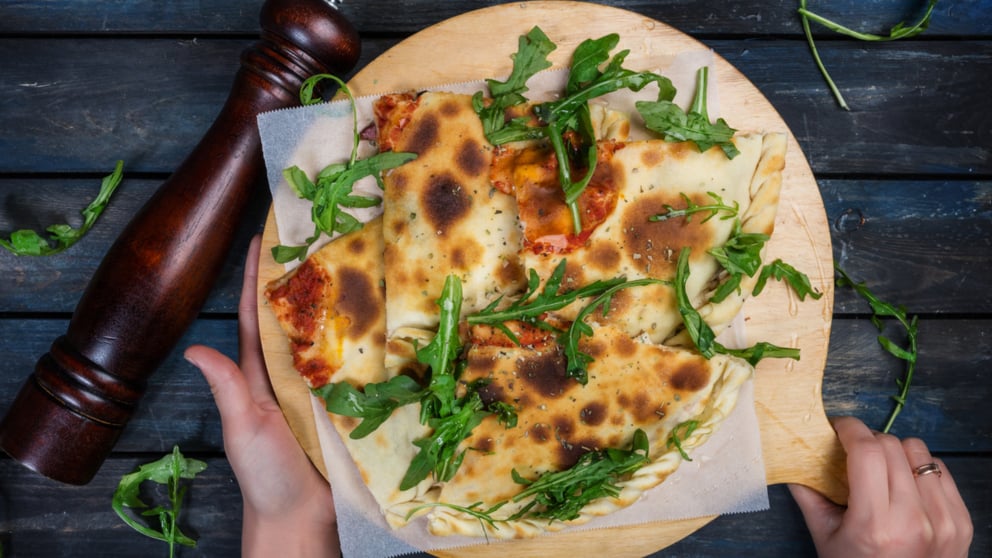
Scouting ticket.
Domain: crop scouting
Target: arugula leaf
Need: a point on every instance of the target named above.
(669, 120)
(577, 361)
(528, 310)
(780, 270)
(881, 309)
(530, 58)
(332, 189)
(739, 256)
(373, 405)
(168, 470)
(761, 350)
(691, 208)
(451, 418)
(699, 331)
(331, 193)
(561, 495)
(571, 113)
(26, 242)
(702, 334)
(437, 453)
(679, 434)
(441, 353)
(898, 31)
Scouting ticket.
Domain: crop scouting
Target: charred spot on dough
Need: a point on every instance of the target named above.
(593, 414)
(450, 108)
(445, 202)
(466, 253)
(422, 135)
(545, 372)
(569, 453)
(509, 271)
(492, 392)
(594, 346)
(471, 159)
(604, 255)
(624, 346)
(396, 183)
(359, 301)
(540, 432)
(485, 445)
(640, 407)
(668, 150)
(356, 245)
(693, 375)
(653, 246)
(564, 427)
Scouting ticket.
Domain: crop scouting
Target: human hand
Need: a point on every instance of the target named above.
(891, 511)
(288, 510)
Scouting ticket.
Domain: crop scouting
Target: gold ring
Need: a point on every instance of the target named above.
(927, 469)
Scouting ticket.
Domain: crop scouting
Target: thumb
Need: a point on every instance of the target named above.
(822, 516)
(227, 383)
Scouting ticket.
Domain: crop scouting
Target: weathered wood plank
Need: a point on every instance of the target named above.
(178, 407)
(751, 17)
(42, 519)
(66, 106)
(905, 239)
(948, 402)
(54, 284)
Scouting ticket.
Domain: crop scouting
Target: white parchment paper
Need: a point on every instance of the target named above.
(727, 473)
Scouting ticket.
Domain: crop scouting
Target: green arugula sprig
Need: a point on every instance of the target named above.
(701, 333)
(531, 57)
(681, 433)
(529, 308)
(899, 31)
(739, 256)
(880, 310)
(577, 366)
(593, 73)
(373, 405)
(782, 271)
(26, 242)
(561, 495)
(691, 208)
(169, 470)
(674, 124)
(440, 354)
(331, 190)
(450, 417)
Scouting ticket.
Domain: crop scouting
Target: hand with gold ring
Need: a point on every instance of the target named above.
(903, 502)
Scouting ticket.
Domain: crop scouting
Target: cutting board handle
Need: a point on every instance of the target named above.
(155, 278)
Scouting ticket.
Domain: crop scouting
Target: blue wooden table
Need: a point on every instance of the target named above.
(905, 176)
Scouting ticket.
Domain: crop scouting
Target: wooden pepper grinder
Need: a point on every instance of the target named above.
(154, 279)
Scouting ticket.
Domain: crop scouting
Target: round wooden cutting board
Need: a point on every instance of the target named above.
(798, 443)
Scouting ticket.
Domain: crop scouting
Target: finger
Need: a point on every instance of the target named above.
(964, 529)
(866, 470)
(226, 382)
(904, 496)
(249, 341)
(822, 516)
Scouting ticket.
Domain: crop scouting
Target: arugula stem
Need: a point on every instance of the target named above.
(882, 309)
(816, 57)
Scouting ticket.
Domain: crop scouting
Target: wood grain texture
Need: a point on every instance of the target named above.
(748, 17)
(901, 127)
(903, 237)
